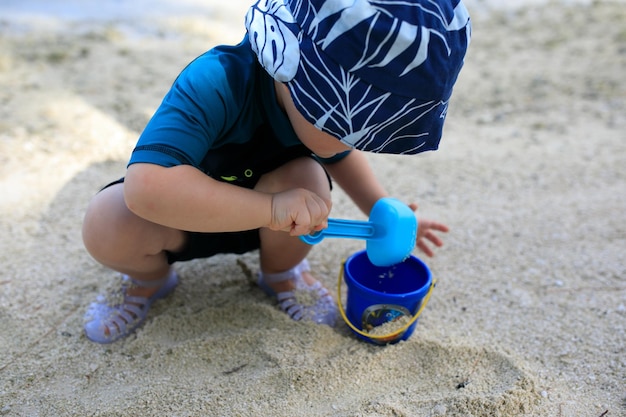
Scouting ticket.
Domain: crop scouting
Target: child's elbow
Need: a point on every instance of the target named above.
(139, 189)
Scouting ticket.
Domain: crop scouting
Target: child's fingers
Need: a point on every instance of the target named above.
(424, 248)
(434, 239)
(428, 225)
(439, 227)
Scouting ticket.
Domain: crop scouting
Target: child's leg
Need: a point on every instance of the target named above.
(279, 251)
(122, 241)
(117, 238)
(282, 255)
(284, 272)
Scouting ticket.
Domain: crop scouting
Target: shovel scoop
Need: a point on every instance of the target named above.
(389, 233)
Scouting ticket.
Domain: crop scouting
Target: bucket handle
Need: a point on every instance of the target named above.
(384, 336)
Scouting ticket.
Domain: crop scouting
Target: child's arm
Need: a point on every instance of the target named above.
(355, 176)
(184, 198)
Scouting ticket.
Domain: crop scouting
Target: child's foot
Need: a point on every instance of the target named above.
(106, 323)
(300, 295)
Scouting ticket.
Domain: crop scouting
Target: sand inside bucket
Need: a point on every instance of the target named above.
(390, 326)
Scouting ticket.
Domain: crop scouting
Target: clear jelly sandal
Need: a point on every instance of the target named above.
(305, 302)
(106, 324)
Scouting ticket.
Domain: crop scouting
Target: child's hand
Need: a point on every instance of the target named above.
(425, 232)
(299, 212)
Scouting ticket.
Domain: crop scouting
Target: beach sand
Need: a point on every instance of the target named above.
(529, 314)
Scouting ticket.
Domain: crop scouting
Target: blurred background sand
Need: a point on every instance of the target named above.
(528, 317)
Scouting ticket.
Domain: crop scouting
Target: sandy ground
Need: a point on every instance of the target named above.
(529, 315)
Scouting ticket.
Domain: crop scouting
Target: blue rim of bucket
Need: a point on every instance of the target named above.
(421, 292)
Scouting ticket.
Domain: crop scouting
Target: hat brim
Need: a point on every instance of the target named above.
(359, 114)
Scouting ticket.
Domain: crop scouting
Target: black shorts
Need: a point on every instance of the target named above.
(245, 171)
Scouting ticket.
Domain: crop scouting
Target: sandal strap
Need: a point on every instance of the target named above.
(152, 283)
(323, 311)
(117, 325)
(292, 273)
(136, 305)
(107, 323)
(287, 302)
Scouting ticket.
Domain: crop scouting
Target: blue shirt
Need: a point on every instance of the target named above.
(221, 98)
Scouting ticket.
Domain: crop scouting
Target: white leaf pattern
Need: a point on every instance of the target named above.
(273, 40)
(388, 38)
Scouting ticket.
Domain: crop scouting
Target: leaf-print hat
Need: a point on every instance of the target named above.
(376, 74)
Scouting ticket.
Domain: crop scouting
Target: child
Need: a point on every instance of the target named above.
(240, 154)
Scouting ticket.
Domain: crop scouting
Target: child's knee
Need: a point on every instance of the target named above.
(102, 222)
(300, 173)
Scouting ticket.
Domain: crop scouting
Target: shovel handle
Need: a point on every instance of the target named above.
(354, 229)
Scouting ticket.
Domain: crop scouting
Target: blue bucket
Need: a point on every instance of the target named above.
(392, 297)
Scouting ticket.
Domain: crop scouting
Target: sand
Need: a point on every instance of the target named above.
(529, 314)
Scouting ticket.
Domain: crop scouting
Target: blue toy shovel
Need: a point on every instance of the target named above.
(390, 232)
